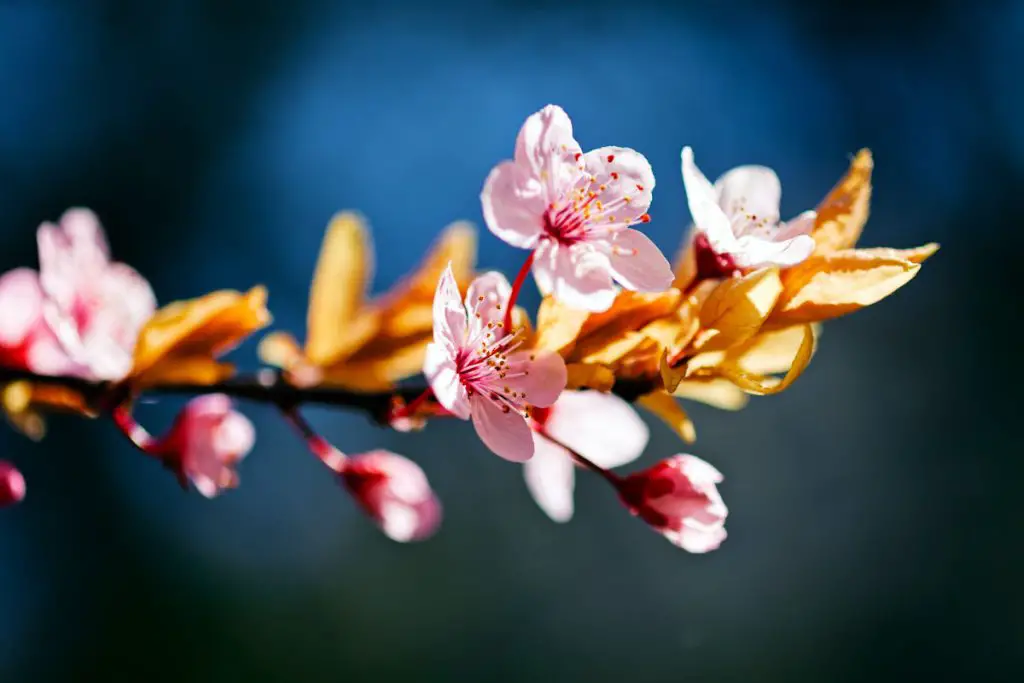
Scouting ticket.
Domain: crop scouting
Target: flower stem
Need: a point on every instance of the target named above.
(319, 446)
(516, 287)
(121, 414)
(586, 463)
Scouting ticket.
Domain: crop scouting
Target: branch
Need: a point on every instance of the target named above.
(266, 386)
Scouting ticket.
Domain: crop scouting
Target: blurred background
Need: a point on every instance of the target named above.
(874, 520)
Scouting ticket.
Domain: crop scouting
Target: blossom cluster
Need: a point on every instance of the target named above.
(737, 313)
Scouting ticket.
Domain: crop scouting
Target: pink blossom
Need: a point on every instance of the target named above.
(573, 210)
(94, 306)
(12, 484)
(26, 341)
(476, 372)
(395, 492)
(737, 219)
(601, 427)
(678, 497)
(208, 439)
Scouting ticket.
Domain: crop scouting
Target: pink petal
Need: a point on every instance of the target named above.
(545, 146)
(627, 181)
(513, 204)
(235, 435)
(71, 255)
(46, 356)
(12, 484)
(449, 312)
(442, 374)
(541, 375)
(702, 199)
(395, 492)
(755, 190)
(505, 433)
(699, 471)
(601, 427)
(21, 301)
(132, 294)
(576, 277)
(697, 541)
(551, 479)
(638, 264)
(755, 252)
(486, 300)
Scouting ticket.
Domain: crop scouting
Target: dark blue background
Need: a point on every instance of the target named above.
(874, 528)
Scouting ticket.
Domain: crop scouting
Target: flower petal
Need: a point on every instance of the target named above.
(505, 433)
(601, 427)
(697, 540)
(638, 264)
(449, 312)
(574, 276)
(551, 478)
(623, 181)
(70, 254)
(539, 375)
(21, 305)
(752, 251)
(545, 146)
(702, 199)
(440, 370)
(513, 204)
(486, 300)
(754, 190)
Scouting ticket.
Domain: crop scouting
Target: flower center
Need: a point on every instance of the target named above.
(484, 368)
(587, 209)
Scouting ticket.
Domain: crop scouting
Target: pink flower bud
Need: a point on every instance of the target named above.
(12, 484)
(679, 499)
(205, 444)
(395, 492)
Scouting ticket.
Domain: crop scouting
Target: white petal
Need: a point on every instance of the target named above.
(576, 278)
(21, 305)
(702, 199)
(449, 312)
(505, 433)
(441, 373)
(551, 479)
(638, 264)
(601, 427)
(753, 189)
(513, 203)
(487, 300)
(756, 252)
(545, 146)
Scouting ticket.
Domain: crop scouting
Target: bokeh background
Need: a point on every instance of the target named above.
(874, 527)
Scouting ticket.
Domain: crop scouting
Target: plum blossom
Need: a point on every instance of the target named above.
(394, 491)
(737, 221)
(476, 372)
(573, 211)
(208, 439)
(81, 313)
(678, 497)
(95, 307)
(12, 484)
(26, 340)
(601, 427)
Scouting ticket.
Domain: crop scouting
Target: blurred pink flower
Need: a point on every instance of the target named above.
(475, 371)
(12, 484)
(679, 498)
(395, 492)
(26, 341)
(737, 220)
(81, 314)
(601, 427)
(573, 210)
(96, 307)
(208, 439)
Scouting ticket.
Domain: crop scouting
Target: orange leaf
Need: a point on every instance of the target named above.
(843, 213)
(736, 309)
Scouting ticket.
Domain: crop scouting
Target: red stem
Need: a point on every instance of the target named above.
(607, 475)
(319, 446)
(136, 433)
(516, 287)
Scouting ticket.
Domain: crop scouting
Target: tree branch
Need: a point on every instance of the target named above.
(265, 386)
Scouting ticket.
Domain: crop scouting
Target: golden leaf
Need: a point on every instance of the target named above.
(598, 377)
(668, 409)
(763, 385)
(335, 322)
(844, 211)
(183, 336)
(24, 404)
(767, 352)
(914, 255)
(714, 391)
(736, 309)
(831, 285)
(558, 325)
(670, 376)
